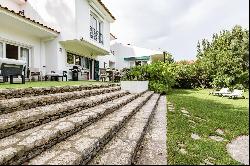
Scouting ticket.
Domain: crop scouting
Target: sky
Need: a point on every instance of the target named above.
(174, 26)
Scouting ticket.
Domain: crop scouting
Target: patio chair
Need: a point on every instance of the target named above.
(223, 91)
(103, 74)
(53, 75)
(34, 72)
(235, 94)
(117, 76)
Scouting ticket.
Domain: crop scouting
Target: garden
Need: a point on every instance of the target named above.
(201, 125)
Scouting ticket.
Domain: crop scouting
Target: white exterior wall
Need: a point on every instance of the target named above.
(9, 35)
(70, 18)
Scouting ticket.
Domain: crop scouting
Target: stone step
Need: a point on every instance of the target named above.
(153, 149)
(27, 92)
(81, 147)
(25, 145)
(18, 104)
(121, 150)
(22, 120)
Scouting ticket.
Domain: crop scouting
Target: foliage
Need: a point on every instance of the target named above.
(160, 76)
(225, 60)
(160, 58)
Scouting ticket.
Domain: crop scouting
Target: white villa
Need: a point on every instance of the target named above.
(54, 35)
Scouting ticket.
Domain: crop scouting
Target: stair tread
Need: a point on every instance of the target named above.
(121, 149)
(19, 143)
(154, 144)
(17, 104)
(36, 91)
(79, 148)
(21, 120)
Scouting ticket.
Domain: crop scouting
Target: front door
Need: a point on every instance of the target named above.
(96, 70)
(90, 69)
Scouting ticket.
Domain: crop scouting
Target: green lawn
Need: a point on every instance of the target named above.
(230, 115)
(47, 84)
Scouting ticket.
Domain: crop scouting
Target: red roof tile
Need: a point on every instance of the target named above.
(29, 19)
(106, 9)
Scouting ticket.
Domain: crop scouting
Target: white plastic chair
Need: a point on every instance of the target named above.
(223, 91)
(236, 94)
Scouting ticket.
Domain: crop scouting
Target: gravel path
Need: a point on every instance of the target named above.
(239, 149)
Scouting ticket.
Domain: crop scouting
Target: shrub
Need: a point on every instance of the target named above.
(160, 76)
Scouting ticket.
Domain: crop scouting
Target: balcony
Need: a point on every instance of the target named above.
(96, 35)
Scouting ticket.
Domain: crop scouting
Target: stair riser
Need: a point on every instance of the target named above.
(63, 113)
(61, 136)
(103, 141)
(28, 103)
(18, 93)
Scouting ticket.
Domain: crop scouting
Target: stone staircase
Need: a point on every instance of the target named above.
(98, 124)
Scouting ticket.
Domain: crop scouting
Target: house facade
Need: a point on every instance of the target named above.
(55, 35)
(127, 55)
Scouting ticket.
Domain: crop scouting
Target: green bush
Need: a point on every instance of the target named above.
(160, 76)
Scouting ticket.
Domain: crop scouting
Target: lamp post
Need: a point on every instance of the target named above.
(164, 55)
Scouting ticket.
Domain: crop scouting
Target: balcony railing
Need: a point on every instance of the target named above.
(96, 35)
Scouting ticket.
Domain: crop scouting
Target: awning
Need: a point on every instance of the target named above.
(83, 48)
(142, 58)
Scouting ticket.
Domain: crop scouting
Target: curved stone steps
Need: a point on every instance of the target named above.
(81, 147)
(121, 150)
(28, 92)
(17, 104)
(22, 120)
(22, 146)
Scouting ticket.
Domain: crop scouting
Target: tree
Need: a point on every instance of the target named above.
(225, 60)
(160, 58)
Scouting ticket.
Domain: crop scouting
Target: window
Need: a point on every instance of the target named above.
(74, 59)
(77, 60)
(11, 51)
(25, 55)
(138, 63)
(1, 50)
(70, 58)
(96, 28)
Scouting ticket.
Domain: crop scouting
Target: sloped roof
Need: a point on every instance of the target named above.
(106, 9)
(29, 19)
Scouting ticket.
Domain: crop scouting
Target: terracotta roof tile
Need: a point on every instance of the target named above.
(29, 19)
(106, 9)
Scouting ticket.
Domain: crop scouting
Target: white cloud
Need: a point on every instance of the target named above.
(175, 25)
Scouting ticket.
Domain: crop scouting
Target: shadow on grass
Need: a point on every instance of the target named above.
(232, 116)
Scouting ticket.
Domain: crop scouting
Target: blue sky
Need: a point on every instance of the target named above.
(174, 25)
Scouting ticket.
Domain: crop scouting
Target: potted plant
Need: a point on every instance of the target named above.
(135, 79)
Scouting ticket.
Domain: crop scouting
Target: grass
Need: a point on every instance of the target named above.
(47, 84)
(230, 115)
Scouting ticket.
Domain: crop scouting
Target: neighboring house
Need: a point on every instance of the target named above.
(128, 56)
(108, 61)
(54, 35)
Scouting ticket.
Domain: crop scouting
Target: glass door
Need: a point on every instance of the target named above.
(24, 56)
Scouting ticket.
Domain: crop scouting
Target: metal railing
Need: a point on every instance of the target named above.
(96, 35)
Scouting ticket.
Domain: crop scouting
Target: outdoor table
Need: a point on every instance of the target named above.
(111, 75)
